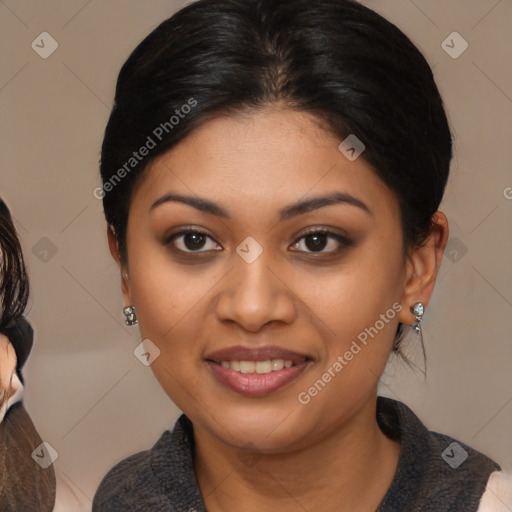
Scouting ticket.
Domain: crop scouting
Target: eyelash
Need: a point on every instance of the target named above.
(342, 240)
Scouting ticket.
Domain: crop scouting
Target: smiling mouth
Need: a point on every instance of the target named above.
(256, 371)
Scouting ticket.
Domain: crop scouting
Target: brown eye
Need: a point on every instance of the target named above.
(192, 241)
(318, 241)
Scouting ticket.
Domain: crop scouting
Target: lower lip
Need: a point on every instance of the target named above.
(256, 384)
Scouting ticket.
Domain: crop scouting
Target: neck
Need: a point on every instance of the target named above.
(349, 469)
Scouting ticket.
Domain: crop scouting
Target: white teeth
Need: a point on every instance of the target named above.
(247, 366)
(277, 364)
(263, 366)
(267, 366)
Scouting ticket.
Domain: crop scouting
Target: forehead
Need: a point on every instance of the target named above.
(268, 159)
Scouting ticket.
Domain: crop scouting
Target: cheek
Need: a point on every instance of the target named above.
(171, 314)
(358, 303)
(172, 307)
(166, 294)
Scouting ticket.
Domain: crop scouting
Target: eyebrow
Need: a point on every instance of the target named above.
(292, 210)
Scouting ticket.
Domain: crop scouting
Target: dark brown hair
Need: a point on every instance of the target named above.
(14, 286)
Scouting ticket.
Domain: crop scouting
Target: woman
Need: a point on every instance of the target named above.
(28, 480)
(272, 171)
(24, 485)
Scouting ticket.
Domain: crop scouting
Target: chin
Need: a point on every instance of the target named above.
(269, 428)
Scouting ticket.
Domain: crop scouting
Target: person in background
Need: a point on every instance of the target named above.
(24, 484)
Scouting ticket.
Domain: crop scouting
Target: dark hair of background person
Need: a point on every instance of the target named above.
(14, 286)
(336, 59)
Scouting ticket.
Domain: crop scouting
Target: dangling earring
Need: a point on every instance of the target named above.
(130, 317)
(418, 309)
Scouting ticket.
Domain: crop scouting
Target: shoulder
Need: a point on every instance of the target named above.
(122, 481)
(161, 479)
(498, 493)
(130, 483)
(435, 471)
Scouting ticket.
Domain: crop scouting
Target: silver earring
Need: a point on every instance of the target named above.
(130, 317)
(418, 309)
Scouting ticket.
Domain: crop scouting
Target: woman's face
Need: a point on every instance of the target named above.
(257, 288)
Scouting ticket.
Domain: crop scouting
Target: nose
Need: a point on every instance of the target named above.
(255, 294)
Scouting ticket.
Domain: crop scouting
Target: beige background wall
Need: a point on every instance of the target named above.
(90, 398)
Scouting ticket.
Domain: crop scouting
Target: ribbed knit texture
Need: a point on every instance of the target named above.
(162, 479)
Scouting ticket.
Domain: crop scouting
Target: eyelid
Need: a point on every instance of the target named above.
(324, 230)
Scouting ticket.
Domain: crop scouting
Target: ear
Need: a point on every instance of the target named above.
(422, 267)
(113, 245)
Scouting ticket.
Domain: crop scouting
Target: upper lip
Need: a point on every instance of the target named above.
(241, 353)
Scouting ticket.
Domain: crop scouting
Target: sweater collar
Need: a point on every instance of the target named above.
(423, 479)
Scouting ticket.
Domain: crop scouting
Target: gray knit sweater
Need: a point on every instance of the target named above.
(433, 474)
